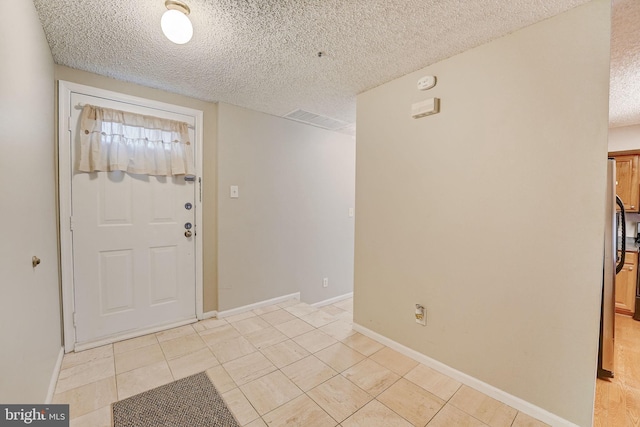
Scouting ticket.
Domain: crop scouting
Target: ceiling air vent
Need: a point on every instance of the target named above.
(316, 120)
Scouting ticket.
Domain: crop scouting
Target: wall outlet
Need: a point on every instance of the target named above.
(325, 282)
(421, 315)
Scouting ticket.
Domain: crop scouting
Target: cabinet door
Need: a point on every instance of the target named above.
(626, 285)
(627, 181)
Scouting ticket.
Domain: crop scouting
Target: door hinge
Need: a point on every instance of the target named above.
(71, 223)
(75, 323)
(69, 123)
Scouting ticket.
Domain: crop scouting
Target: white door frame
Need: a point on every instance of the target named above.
(65, 168)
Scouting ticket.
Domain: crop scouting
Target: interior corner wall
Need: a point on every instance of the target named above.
(30, 332)
(209, 173)
(290, 227)
(624, 138)
(491, 213)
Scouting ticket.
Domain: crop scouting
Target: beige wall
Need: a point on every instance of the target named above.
(210, 266)
(290, 226)
(491, 212)
(30, 333)
(624, 138)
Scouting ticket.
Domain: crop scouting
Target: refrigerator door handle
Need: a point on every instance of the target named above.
(620, 264)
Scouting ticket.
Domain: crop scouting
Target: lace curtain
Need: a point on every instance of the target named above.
(117, 140)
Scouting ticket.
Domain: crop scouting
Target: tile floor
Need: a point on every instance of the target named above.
(289, 364)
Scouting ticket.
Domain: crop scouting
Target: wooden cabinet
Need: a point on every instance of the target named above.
(626, 285)
(627, 181)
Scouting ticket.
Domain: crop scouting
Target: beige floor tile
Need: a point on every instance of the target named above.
(74, 359)
(308, 373)
(347, 316)
(314, 340)
(234, 348)
(192, 363)
(89, 397)
(318, 318)
(364, 345)
(239, 317)
(183, 345)
(524, 420)
(212, 323)
(293, 328)
(452, 416)
(266, 337)
(411, 402)
(396, 362)
(256, 423)
(174, 333)
(219, 334)
(300, 412)
(338, 329)
(301, 309)
(277, 317)
(375, 414)
(249, 368)
(345, 304)
(332, 309)
(371, 377)
(138, 358)
(143, 379)
(288, 303)
(240, 406)
(339, 397)
(85, 373)
(483, 407)
(266, 309)
(284, 353)
(221, 379)
(134, 343)
(252, 324)
(433, 381)
(97, 418)
(339, 356)
(270, 391)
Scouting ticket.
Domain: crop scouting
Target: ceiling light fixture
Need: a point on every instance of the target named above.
(175, 23)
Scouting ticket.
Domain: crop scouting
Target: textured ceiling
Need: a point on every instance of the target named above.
(624, 102)
(263, 54)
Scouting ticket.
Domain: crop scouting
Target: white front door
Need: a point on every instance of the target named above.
(133, 265)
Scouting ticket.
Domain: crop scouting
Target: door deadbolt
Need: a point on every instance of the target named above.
(187, 233)
(187, 226)
(188, 206)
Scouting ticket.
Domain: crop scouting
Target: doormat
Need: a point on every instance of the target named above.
(189, 402)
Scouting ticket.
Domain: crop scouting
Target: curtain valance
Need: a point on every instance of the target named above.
(118, 140)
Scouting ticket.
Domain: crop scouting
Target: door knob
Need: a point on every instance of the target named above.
(187, 233)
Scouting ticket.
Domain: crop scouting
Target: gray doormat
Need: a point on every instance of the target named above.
(189, 402)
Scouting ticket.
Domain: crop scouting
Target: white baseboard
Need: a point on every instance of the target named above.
(54, 377)
(245, 308)
(209, 315)
(491, 391)
(332, 300)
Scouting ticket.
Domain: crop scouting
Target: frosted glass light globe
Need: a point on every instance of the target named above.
(176, 26)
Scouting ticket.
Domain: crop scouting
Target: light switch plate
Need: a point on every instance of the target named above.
(234, 192)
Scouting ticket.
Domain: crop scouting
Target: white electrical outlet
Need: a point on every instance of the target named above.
(325, 282)
(421, 315)
(234, 193)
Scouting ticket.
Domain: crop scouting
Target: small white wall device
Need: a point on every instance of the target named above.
(425, 108)
(426, 82)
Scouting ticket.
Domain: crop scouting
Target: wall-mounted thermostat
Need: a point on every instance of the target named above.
(426, 82)
(425, 108)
